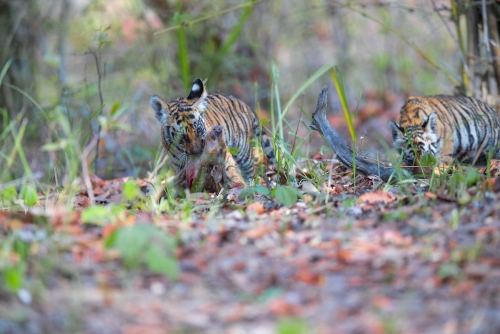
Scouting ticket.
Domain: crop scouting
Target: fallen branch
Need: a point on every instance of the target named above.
(344, 154)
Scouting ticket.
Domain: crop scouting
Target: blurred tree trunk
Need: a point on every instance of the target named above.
(483, 48)
(20, 36)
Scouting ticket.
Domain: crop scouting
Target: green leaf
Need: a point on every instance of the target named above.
(286, 195)
(146, 244)
(114, 108)
(261, 190)
(395, 215)
(58, 145)
(251, 191)
(130, 190)
(131, 242)
(472, 176)
(30, 195)
(233, 150)
(457, 179)
(292, 326)
(158, 261)
(9, 194)
(110, 241)
(428, 160)
(449, 270)
(13, 277)
(95, 214)
(22, 248)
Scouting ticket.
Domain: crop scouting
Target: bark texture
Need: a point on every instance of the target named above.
(344, 153)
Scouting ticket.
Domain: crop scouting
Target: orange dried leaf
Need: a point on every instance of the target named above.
(377, 196)
(259, 231)
(281, 308)
(257, 207)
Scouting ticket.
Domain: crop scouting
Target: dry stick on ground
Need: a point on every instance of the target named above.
(344, 154)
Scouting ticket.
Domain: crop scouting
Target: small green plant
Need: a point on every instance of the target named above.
(148, 245)
(449, 270)
(286, 195)
(292, 326)
(250, 192)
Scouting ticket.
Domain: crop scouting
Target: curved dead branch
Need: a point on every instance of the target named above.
(344, 153)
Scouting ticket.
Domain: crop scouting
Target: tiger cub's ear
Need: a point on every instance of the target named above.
(430, 125)
(161, 109)
(398, 135)
(198, 93)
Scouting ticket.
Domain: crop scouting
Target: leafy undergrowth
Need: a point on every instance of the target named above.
(356, 256)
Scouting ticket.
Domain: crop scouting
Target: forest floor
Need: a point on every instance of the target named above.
(369, 259)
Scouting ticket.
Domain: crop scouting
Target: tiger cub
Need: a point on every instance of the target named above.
(447, 127)
(208, 172)
(186, 122)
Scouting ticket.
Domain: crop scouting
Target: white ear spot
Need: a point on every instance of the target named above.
(195, 87)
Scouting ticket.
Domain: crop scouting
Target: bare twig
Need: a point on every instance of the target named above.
(344, 154)
(85, 168)
(485, 141)
(298, 125)
(101, 100)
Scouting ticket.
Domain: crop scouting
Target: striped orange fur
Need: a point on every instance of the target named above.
(185, 123)
(448, 127)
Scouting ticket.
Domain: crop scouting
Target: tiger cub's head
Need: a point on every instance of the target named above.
(182, 120)
(416, 137)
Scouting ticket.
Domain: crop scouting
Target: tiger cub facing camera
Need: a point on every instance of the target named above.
(447, 127)
(185, 123)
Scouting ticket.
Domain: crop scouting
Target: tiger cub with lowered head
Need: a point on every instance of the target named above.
(186, 122)
(448, 128)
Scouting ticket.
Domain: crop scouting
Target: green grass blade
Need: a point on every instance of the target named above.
(306, 84)
(339, 86)
(183, 57)
(18, 149)
(5, 69)
(90, 118)
(275, 73)
(39, 107)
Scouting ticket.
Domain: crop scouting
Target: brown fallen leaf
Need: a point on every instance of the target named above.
(281, 308)
(492, 184)
(430, 195)
(377, 196)
(257, 207)
(259, 231)
(140, 329)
